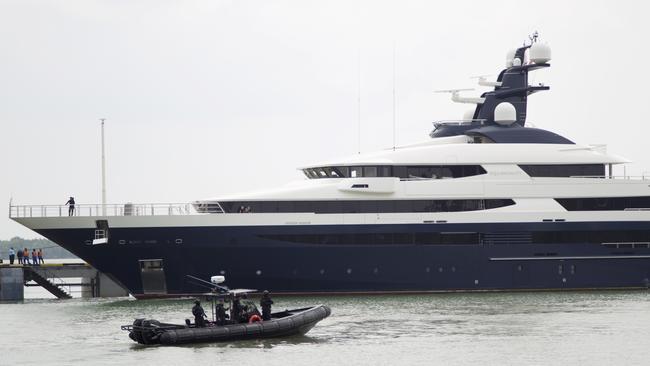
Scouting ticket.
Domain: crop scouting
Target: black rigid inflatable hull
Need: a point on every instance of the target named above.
(299, 323)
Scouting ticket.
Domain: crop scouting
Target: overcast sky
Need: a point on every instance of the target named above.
(204, 98)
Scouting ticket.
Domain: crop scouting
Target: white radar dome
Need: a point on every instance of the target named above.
(468, 115)
(540, 53)
(516, 62)
(505, 114)
(509, 57)
(217, 279)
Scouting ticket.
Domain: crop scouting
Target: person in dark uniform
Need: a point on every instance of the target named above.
(235, 310)
(266, 303)
(20, 256)
(71, 208)
(199, 314)
(220, 313)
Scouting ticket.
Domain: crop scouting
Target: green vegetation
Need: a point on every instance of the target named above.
(50, 249)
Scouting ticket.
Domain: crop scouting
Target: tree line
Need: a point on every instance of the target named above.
(50, 249)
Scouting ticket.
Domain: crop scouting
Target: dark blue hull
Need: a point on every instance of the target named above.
(287, 259)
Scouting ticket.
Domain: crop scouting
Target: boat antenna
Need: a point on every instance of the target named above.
(212, 286)
(103, 171)
(393, 95)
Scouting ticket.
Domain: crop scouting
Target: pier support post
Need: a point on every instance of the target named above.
(109, 288)
(11, 284)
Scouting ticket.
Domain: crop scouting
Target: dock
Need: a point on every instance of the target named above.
(56, 278)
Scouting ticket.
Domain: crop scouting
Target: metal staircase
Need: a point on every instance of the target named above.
(32, 275)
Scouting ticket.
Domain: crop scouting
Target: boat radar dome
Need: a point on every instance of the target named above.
(217, 279)
(516, 62)
(505, 114)
(540, 53)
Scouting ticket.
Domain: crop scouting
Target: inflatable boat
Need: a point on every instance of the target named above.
(243, 322)
(282, 324)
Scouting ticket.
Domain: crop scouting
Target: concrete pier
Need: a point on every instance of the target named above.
(11, 284)
(55, 278)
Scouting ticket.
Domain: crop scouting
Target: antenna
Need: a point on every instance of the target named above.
(393, 95)
(359, 100)
(103, 171)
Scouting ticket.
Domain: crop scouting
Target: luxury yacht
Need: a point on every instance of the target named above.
(485, 204)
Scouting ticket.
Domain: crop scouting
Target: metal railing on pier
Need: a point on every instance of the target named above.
(126, 209)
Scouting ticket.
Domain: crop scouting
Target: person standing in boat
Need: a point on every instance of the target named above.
(40, 257)
(220, 313)
(266, 303)
(20, 256)
(235, 310)
(199, 314)
(71, 208)
(34, 257)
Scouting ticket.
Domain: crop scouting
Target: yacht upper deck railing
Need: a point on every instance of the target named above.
(460, 122)
(126, 209)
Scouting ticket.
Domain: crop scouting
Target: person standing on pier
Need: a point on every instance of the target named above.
(20, 256)
(34, 257)
(26, 256)
(71, 208)
(40, 256)
(12, 255)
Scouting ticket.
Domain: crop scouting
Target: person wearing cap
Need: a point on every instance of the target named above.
(199, 314)
(265, 303)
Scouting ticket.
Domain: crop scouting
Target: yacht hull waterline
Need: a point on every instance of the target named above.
(486, 204)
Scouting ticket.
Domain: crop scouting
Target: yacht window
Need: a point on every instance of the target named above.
(342, 171)
(370, 171)
(605, 203)
(365, 206)
(565, 170)
(404, 172)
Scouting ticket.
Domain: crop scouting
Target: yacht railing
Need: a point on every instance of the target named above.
(125, 209)
(459, 122)
(614, 177)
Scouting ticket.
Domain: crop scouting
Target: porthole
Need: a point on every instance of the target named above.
(440, 269)
(453, 269)
(427, 270)
(222, 272)
(179, 241)
(349, 271)
(476, 282)
(258, 272)
(121, 241)
(560, 269)
(563, 279)
(520, 268)
(322, 271)
(376, 270)
(573, 269)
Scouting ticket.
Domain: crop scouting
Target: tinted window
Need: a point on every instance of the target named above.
(367, 206)
(404, 172)
(571, 170)
(604, 203)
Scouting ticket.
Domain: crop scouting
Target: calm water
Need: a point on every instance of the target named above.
(578, 328)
